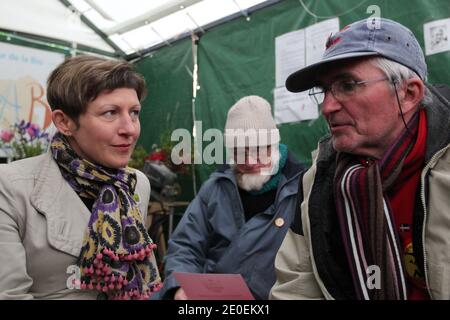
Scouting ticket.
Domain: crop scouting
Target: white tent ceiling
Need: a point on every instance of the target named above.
(117, 26)
(48, 18)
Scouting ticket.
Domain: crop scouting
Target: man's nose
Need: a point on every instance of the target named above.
(330, 104)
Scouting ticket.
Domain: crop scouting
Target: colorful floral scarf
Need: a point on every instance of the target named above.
(117, 254)
(366, 221)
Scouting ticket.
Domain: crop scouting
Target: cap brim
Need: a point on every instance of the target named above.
(306, 78)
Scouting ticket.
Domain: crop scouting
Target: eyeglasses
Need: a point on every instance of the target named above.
(342, 90)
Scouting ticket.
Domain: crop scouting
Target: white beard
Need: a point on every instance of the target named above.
(255, 181)
(251, 182)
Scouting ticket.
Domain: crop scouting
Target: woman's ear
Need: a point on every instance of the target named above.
(414, 92)
(63, 122)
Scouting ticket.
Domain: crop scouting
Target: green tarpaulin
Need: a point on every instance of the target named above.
(237, 58)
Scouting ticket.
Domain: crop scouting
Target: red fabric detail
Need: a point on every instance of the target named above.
(402, 201)
(331, 42)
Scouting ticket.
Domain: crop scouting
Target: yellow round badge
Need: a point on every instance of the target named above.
(279, 222)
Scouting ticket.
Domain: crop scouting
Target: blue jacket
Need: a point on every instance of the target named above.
(213, 236)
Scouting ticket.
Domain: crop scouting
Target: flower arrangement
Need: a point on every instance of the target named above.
(163, 154)
(138, 158)
(24, 139)
(159, 152)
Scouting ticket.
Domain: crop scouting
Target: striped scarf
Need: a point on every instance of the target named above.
(366, 221)
(117, 254)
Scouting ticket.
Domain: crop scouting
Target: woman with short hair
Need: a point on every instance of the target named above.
(72, 220)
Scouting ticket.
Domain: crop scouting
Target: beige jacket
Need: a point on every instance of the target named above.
(297, 275)
(42, 223)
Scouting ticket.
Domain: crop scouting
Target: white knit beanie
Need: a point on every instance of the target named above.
(250, 123)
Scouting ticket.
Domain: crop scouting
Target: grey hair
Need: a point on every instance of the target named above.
(399, 73)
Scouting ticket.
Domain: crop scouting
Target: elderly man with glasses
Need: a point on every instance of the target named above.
(374, 222)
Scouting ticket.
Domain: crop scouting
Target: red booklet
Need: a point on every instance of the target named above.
(213, 286)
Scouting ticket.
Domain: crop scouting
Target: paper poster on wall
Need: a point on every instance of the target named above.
(436, 36)
(293, 107)
(289, 55)
(316, 37)
(23, 77)
(293, 51)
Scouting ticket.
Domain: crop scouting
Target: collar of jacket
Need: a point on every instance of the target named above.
(438, 123)
(63, 209)
(438, 136)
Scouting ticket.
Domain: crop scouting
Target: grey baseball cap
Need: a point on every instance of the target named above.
(368, 37)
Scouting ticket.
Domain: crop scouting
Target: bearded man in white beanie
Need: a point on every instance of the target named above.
(241, 214)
